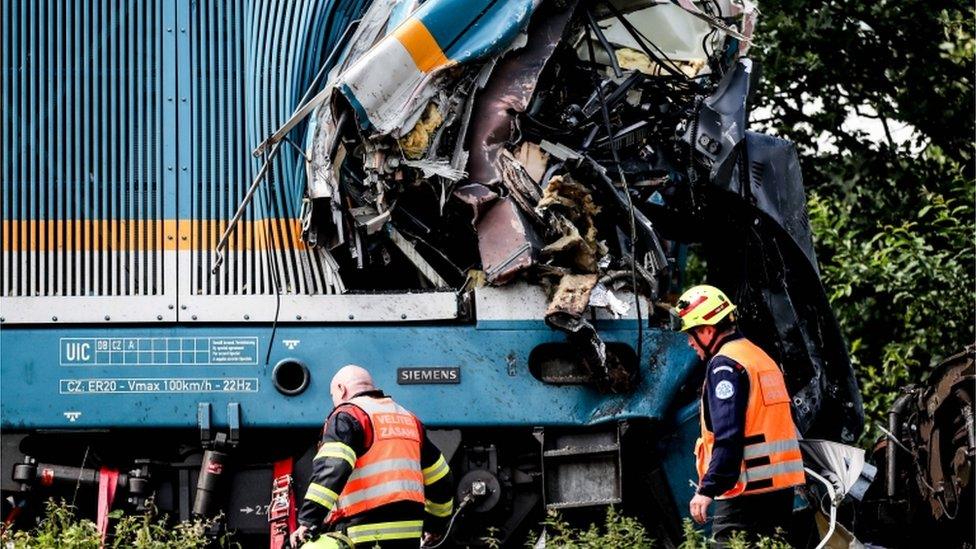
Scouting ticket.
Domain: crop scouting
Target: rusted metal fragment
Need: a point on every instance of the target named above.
(533, 159)
(946, 441)
(566, 313)
(569, 209)
(478, 196)
(519, 184)
(507, 242)
(572, 296)
(510, 88)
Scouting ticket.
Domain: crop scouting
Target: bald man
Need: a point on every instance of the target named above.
(377, 480)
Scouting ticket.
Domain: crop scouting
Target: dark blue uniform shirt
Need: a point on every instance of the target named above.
(724, 402)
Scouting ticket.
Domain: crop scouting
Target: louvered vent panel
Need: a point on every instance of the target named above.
(82, 177)
(251, 63)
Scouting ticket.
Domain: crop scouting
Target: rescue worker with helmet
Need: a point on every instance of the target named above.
(748, 457)
(377, 480)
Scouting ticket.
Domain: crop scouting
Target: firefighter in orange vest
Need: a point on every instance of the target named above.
(377, 480)
(748, 457)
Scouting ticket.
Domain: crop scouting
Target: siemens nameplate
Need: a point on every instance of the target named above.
(420, 376)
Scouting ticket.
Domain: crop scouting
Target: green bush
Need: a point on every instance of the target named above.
(901, 288)
(62, 529)
(892, 213)
(696, 539)
(617, 531)
(622, 532)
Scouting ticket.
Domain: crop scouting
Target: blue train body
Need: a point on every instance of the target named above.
(127, 139)
(137, 376)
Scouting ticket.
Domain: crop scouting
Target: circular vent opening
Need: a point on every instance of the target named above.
(290, 377)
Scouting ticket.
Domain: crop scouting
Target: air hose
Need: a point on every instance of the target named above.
(450, 525)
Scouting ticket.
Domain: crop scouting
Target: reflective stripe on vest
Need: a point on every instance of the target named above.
(390, 470)
(382, 531)
(766, 448)
(771, 457)
(769, 471)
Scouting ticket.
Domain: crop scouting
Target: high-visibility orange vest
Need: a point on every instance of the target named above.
(771, 458)
(390, 470)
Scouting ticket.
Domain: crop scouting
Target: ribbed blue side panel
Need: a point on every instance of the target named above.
(84, 190)
(126, 140)
(251, 63)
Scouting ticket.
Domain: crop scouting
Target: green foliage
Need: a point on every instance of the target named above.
(695, 539)
(902, 289)
(58, 529)
(491, 541)
(623, 532)
(61, 528)
(893, 217)
(617, 531)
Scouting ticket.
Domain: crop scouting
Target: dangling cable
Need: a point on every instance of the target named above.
(268, 235)
(623, 180)
(450, 524)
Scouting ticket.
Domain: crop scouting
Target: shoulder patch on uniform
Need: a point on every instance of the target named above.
(718, 369)
(724, 389)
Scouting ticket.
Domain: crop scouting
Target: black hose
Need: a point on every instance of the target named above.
(450, 525)
(891, 457)
(630, 205)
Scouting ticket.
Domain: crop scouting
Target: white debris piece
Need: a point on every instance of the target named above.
(602, 297)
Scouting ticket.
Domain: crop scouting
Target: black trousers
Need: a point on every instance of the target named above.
(756, 515)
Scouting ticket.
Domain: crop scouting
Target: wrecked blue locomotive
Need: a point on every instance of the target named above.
(487, 203)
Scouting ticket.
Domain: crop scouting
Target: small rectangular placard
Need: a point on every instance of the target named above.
(428, 375)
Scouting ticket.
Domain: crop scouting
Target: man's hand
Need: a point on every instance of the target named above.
(430, 538)
(298, 536)
(699, 508)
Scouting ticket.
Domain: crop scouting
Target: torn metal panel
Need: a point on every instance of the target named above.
(391, 84)
(721, 123)
(509, 90)
(678, 34)
(325, 126)
(774, 185)
(565, 313)
(765, 248)
(507, 242)
(423, 266)
(478, 196)
(519, 184)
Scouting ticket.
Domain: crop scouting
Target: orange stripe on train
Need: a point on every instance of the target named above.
(421, 45)
(145, 235)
